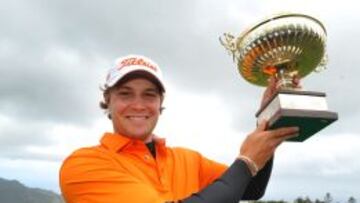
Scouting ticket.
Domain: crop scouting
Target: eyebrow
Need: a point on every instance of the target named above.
(150, 89)
(123, 87)
(154, 90)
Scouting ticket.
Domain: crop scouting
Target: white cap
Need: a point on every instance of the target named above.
(130, 64)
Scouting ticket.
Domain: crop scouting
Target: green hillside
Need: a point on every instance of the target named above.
(12, 191)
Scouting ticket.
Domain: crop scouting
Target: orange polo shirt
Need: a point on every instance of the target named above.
(122, 170)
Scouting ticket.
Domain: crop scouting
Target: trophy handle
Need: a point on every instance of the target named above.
(322, 65)
(229, 42)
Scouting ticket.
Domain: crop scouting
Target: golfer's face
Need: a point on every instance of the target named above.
(135, 108)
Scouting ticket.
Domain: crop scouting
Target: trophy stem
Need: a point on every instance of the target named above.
(285, 78)
(284, 81)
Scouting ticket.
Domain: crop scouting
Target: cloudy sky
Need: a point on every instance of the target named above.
(54, 56)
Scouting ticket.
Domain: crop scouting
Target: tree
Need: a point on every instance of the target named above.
(352, 200)
(301, 200)
(308, 200)
(318, 201)
(328, 198)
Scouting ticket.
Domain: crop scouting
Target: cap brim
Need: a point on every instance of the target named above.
(140, 74)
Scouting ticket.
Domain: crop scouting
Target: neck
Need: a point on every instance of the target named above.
(147, 139)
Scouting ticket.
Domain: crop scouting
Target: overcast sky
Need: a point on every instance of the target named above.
(54, 57)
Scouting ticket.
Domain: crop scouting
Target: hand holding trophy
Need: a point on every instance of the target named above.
(287, 47)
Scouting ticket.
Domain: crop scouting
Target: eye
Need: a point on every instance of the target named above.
(123, 93)
(150, 94)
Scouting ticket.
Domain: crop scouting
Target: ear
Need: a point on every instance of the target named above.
(107, 95)
(161, 103)
(161, 109)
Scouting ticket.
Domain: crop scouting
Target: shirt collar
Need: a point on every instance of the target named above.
(116, 142)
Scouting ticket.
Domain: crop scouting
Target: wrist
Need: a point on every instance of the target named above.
(253, 168)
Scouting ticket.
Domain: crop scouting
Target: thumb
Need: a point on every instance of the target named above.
(272, 81)
(262, 125)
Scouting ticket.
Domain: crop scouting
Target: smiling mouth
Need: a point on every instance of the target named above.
(137, 118)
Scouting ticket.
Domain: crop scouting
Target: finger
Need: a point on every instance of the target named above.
(262, 126)
(271, 81)
(280, 140)
(296, 81)
(291, 136)
(277, 142)
(269, 91)
(283, 132)
(271, 86)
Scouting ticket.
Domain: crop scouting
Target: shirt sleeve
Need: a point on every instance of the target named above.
(89, 176)
(230, 187)
(209, 171)
(234, 185)
(257, 186)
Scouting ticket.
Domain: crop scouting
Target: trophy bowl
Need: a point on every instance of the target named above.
(286, 47)
(287, 44)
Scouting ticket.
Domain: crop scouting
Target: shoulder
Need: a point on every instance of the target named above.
(192, 160)
(85, 159)
(86, 153)
(182, 151)
(189, 155)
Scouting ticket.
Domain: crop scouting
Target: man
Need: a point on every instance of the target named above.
(132, 165)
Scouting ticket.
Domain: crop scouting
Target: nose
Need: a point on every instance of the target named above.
(138, 104)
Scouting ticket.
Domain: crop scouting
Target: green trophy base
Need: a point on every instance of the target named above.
(309, 122)
(307, 110)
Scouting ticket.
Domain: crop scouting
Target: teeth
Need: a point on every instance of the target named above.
(137, 117)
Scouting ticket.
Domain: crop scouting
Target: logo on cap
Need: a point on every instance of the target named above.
(135, 61)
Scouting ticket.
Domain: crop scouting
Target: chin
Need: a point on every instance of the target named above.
(145, 138)
(140, 135)
(143, 133)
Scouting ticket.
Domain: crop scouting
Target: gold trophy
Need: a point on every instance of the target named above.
(285, 46)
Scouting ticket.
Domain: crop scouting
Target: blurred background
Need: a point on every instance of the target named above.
(54, 57)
